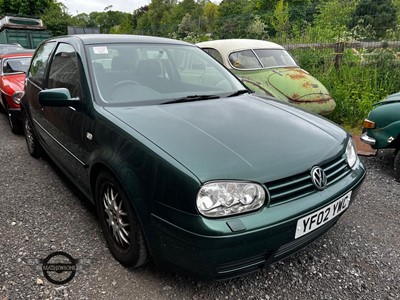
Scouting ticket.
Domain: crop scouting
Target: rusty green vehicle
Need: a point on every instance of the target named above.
(269, 70)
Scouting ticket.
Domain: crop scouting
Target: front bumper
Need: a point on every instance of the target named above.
(211, 249)
(367, 140)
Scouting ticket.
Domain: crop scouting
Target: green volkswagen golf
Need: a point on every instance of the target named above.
(184, 165)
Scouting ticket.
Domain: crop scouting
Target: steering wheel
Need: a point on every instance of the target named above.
(125, 82)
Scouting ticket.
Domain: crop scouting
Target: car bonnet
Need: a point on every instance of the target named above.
(12, 83)
(295, 84)
(237, 138)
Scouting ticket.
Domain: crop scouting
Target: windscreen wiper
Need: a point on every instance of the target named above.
(192, 98)
(239, 92)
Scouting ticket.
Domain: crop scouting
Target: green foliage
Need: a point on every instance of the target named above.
(257, 29)
(56, 19)
(381, 15)
(233, 19)
(330, 24)
(107, 20)
(280, 19)
(25, 7)
(155, 20)
(211, 13)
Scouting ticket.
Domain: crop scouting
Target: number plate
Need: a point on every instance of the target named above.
(322, 216)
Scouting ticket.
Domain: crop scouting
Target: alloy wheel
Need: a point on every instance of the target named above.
(116, 216)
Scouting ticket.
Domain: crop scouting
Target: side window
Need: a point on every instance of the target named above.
(214, 53)
(64, 70)
(38, 66)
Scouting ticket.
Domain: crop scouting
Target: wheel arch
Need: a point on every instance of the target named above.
(125, 178)
(140, 210)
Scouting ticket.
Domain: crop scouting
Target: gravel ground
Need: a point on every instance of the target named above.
(41, 213)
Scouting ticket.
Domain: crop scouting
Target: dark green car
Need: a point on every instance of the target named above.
(382, 127)
(185, 165)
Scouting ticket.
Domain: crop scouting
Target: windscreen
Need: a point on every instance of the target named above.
(16, 65)
(156, 73)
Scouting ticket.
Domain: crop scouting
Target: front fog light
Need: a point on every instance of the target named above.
(220, 199)
(351, 154)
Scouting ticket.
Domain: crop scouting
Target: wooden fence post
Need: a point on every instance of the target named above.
(338, 54)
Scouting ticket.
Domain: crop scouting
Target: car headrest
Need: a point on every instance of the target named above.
(149, 67)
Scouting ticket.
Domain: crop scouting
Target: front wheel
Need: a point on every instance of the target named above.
(34, 148)
(119, 223)
(397, 166)
(15, 125)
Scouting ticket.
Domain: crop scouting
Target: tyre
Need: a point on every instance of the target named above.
(397, 166)
(34, 148)
(15, 125)
(119, 222)
(2, 104)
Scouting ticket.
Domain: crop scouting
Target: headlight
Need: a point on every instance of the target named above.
(16, 96)
(351, 154)
(221, 199)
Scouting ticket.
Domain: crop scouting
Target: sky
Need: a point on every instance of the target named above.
(87, 6)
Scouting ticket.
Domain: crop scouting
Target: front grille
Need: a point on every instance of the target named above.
(300, 185)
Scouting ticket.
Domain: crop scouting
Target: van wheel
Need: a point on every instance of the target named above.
(119, 222)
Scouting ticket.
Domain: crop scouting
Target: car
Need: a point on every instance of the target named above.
(5, 48)
(381, 128)
(14, 64)
(187, 168)
(268, 69)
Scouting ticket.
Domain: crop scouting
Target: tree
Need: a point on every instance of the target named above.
(257, 29)
(380, 15)
(56, 19)
(234, 18)
(107, 20)
(330, 23)
(154, 22)
(25, 7)
(280, 20)
(211, 12)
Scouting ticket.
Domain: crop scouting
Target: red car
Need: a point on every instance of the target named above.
(14, 63)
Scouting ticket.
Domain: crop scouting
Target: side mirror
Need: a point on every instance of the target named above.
(59, 97)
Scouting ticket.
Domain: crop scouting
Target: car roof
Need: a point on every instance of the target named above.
(225, 47)
(90, 39)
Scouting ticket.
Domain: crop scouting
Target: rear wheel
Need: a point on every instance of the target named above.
(15, 125)
(34, 147)
(397, 166)
(119, 222)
